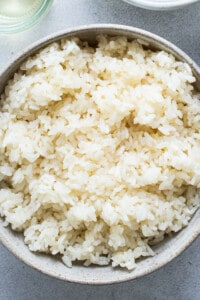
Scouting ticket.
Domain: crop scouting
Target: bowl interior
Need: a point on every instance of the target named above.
(166, 250)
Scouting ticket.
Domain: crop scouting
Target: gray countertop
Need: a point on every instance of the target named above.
(180, 279)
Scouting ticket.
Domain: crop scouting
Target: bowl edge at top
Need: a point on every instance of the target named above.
(167, 5)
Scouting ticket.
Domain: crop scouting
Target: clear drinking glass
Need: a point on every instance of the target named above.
(18, 15)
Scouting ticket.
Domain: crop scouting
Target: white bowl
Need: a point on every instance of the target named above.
(165, 251)
(160, 4)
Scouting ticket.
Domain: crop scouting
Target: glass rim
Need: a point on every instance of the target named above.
(20, 25)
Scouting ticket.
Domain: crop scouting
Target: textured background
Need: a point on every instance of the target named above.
(180, 279)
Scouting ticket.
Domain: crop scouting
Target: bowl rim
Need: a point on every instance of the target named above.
(70, 31)
(161, 5)
(116, 31)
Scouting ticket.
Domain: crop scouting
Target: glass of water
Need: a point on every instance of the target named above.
(18, 15)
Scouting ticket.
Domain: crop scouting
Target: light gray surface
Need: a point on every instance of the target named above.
(180, 278)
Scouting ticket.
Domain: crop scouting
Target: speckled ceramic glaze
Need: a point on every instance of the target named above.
(165, 251)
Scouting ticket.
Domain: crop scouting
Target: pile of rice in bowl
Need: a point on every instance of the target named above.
(99, 150)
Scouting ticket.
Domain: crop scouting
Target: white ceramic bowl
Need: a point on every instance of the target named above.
(160, 4)
(166, 250)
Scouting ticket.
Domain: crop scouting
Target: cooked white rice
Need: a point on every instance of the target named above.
(99, 150)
